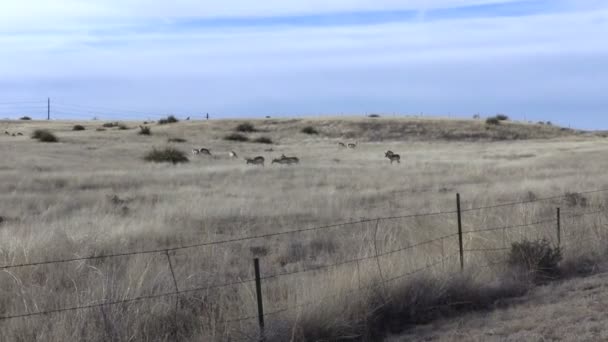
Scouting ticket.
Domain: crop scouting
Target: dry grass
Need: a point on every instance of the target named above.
(93, 194)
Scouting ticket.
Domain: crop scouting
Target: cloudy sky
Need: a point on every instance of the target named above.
(533, 60)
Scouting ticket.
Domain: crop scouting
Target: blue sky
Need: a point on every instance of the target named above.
(534, 60)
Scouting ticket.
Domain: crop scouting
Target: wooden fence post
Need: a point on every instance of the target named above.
(460, 232)
(559, 228)
(258, 290)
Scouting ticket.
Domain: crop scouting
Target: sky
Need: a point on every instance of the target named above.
(134, 59)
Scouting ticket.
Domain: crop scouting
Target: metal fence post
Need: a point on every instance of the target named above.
(460, 232)
(258, 290)
(559, 228)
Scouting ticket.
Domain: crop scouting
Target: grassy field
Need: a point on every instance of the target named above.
(91, 193)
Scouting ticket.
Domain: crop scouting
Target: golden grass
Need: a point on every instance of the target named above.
(92, 194)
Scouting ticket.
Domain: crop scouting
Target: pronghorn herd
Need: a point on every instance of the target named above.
(285, 160)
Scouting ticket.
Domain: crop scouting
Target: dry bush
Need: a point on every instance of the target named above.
(78, 128)
(26, 118)
(309, 130)
(166, 155)
(168, 120)
(236, 137)
(144, 130)
(245, 127)
(263, 140)
(44, 136)
(537, 257)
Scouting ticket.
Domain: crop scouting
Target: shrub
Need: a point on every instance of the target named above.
(263, 140)
(309, 130)
(25, 118)
(245, 127)
(169, 119)
(236, 137)
(537, 257)
(574, 199)
(492, 121)
(177, 140)
(166, 155)
(374, 115)
(122, 127)
(110, 124)
(100, 129)
(78, 128)
(144, 130)
(502, 117)
(44, 136)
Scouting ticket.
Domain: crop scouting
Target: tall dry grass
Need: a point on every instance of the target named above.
(91, 194)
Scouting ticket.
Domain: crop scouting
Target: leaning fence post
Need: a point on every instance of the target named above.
(258, 290)
(460, 232)
(559, 228)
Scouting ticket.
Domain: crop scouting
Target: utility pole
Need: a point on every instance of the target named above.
(48, 109)
(207, 116)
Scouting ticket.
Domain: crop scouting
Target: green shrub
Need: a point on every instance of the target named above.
(309, 130)
(502, 117)
(144, 130)
(166, 155)
(537, 257)
(236, 137)
(177, 140)
(245, 127)
(78, 128)
(44, 136)
(492, 121)
(263, 140)
(25, 118)
(169, 119)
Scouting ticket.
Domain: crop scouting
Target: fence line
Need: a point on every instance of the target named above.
(297, 231)
(376, 256)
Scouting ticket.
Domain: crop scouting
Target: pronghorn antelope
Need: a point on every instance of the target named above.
(259, 160)
(232, 154)
(341, 144)
(352, 145)
(19, 133)
(392, 157)
(196, 151)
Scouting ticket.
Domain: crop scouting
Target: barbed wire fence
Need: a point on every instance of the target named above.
(553, 223)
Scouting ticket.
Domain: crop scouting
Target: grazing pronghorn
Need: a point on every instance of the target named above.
(195, 151)
(393, 157)
(19, 133)
(341, 144)
(352, 145)
(259, 160)
(232, 154)
(204, 151)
